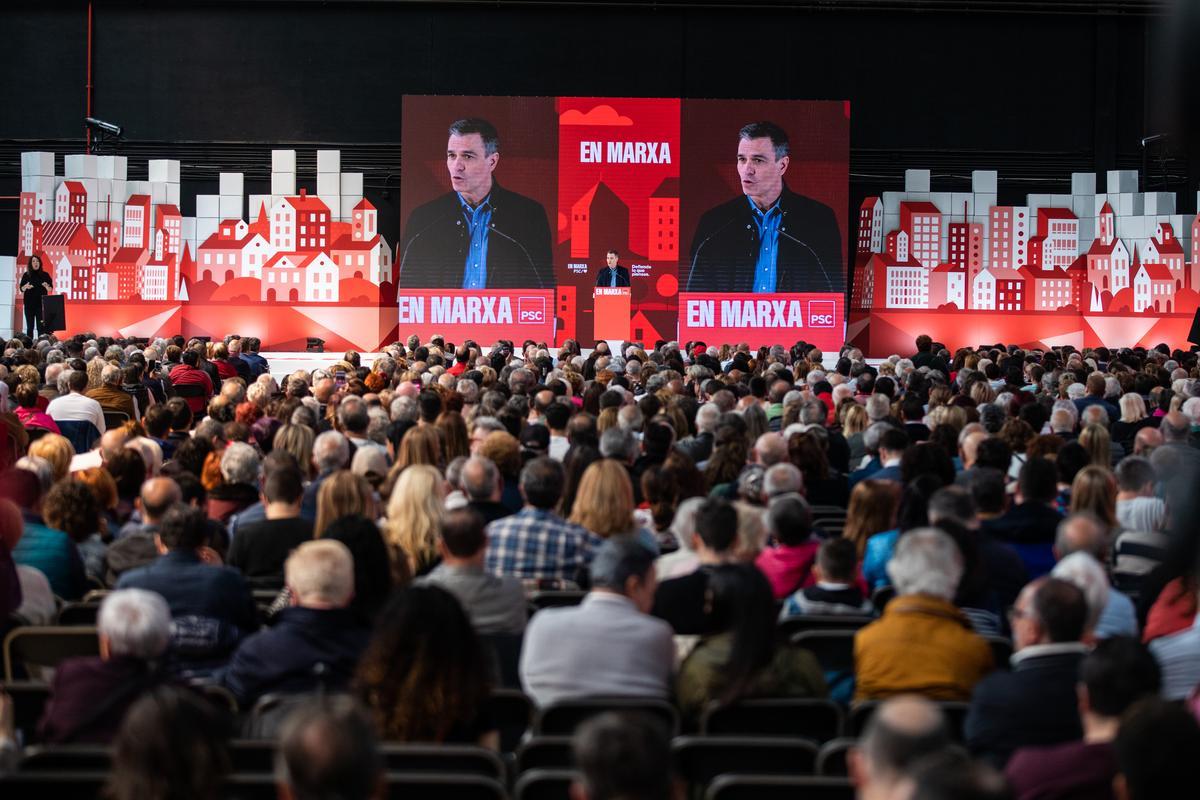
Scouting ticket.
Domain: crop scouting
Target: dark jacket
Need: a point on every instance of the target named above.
(211, 607)
(1030, 528)
(260, 548)
(1035, 704)
(724, 250)
(282, 658)
(89, 698)
(604, 277)
(433, 250)
(681, 602)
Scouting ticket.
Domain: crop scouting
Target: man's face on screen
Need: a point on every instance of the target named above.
(470, 167)
(761, 174)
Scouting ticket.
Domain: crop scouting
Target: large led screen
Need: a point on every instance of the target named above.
(639, 218)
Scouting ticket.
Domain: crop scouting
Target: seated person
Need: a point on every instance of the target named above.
(787, 565)
(90, 694)
(328, 748)
(495, 603)
(260, 548)
(607, 645)
(923, 644)
(836, 590)
(1036, 703)
(622, 755)
(424, 674)
(318, 629)
(1114, 676)
(211, 605)
(681, 601)
(738, 658)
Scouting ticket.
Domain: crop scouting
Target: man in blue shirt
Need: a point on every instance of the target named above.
(479, 235)
(614, 274)
(771, 239)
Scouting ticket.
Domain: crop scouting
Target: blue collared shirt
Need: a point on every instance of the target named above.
(768, 245)
(479, 222)
(1178, 657)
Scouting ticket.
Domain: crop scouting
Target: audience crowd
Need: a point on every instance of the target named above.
(352, 554)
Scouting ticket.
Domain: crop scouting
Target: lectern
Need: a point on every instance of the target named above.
(611, 304)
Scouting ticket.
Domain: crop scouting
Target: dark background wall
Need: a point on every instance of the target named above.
(1034, 88)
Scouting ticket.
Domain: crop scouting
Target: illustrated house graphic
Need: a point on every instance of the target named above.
(664, 221)
(599, 220)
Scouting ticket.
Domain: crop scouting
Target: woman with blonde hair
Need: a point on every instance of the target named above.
(1096, 441)
(341, 494)
(872, 509)
(56, 449)
(1133, 419)
(604, 503)
(297, 440)
(1095, 490)
(414, 516)
(607, 419)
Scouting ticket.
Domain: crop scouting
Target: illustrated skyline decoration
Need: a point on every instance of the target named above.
(1117, 253)
(104, 238)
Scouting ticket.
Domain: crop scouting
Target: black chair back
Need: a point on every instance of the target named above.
(562, 718)
(47, 646)
(831, 760)
(808, 718)
(779, 787)
(833, 647)
(545, 752)
(512, 712)
(700, 759)
(790, 626)
(544, 784)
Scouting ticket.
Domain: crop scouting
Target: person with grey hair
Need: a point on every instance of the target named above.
(328, 750)
(404, 409)
(317, 629)
(619, 444)
(110, 396)
(1086, 534)
(684, 560)
(483, 488)
(900, 734)
(700, 447)
(878, 407)
(240, 469)
(923, 644)
(782, 478)
(331, 452)
(90, 694)
(609, 644)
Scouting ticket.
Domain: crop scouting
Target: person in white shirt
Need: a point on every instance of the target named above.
(76, 406)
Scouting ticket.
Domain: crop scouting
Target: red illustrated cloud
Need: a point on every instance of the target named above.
(600, 115)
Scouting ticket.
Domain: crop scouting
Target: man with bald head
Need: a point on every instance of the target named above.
(1147, 441)
(134, 545)
(902, 732)
(770, 449)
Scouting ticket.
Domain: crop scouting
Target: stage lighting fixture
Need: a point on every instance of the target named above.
(101, 126)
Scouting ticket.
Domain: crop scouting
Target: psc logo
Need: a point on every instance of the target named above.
(821, 313)
(531, 310)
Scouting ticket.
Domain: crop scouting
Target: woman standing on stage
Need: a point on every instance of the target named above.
(36, 284)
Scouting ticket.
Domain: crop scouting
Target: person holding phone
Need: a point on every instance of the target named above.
(36, 284)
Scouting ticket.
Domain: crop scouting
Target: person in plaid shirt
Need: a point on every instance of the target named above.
(536, 543)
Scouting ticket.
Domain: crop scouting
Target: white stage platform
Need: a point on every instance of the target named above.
(284, 363)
